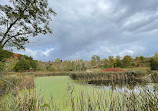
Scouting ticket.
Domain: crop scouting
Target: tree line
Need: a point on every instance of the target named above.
(95, 62)
(120, 62)
(18, 62)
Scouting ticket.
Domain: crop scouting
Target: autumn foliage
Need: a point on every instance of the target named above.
(113, 70)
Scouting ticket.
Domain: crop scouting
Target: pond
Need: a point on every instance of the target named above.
(136, 85)
(60, 88)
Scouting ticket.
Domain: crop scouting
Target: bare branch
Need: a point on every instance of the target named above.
(5, 34)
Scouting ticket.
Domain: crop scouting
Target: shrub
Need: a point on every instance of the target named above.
(73, 76)
(33, 65)
(154, 63)
(51, 68)
(41, 66)
(113, 70)
(22, 65)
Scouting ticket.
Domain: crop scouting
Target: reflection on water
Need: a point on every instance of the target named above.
(124, 85)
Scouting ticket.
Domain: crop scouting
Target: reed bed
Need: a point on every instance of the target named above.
(27, 101)
(146, 100)
(129, 75)
(15, 83)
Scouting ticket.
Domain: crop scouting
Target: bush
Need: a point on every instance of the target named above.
(33, 65)
(22, 65)
(51, 68)
(41, 66)
(154, 63)
(73, 76)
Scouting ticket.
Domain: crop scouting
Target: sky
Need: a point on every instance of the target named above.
(83, 28)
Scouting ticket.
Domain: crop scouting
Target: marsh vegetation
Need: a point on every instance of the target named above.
(61, 93)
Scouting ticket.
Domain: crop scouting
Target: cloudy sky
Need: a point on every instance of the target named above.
(83, 28)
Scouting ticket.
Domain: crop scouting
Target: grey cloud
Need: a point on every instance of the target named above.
(128, 10)
(83, 28)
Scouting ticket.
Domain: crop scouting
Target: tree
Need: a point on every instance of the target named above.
(127, 61)
(23, 19)
(138, 61)
(142, 61)
(95, 59)
(111, 61)
(106, 63)
(83, 66)
(4, 54)
(142, 58)
(58, 60)
(118, 62)
(22, 65)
